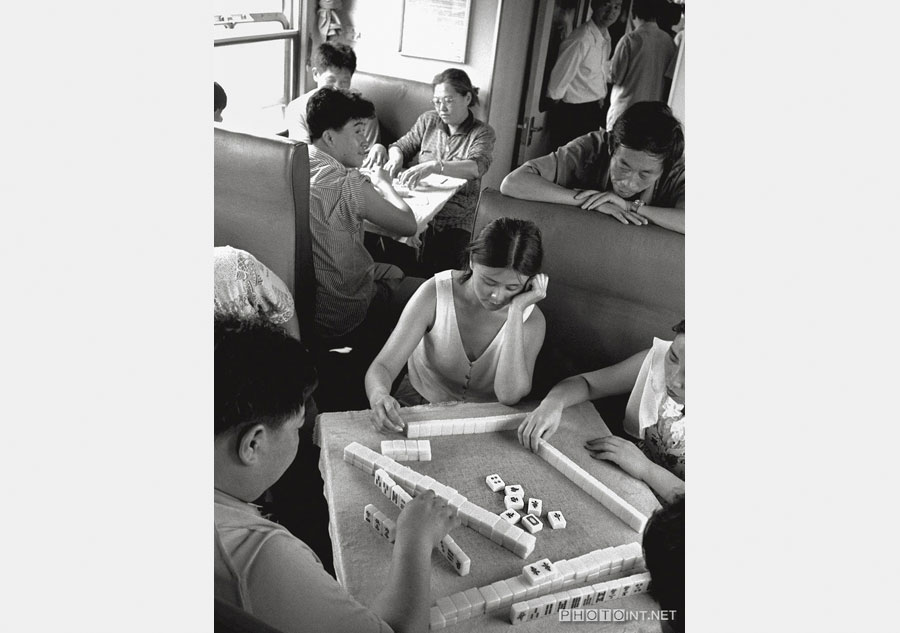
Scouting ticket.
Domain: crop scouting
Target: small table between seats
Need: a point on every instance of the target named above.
(362, 557)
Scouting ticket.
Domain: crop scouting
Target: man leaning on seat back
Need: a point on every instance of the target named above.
(635, 172)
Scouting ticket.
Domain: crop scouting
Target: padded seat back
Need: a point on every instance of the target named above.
(262, 206)
(398, 102)
(612, 287)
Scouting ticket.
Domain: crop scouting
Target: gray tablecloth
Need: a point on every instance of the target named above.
(362, 557)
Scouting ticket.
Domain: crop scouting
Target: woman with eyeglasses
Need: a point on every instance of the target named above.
(448, 140)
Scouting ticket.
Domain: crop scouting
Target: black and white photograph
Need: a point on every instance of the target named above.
(451, 276)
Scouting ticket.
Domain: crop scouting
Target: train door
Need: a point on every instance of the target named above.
(553, 21)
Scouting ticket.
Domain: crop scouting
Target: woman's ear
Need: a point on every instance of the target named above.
(250, 444)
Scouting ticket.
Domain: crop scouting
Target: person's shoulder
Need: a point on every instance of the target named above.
(676, 170)
(591, 143)
(429, 118)
(301, 101)
(425, 297)
(483, 127)
(282, 545)
(581, 30)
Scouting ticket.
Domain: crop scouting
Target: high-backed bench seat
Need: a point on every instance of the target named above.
(613, 287)
(262, 206)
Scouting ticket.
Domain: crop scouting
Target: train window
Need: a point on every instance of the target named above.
(255, 56)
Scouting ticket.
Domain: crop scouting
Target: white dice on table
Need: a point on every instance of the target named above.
(535, 506)
(514, 489)
(494, 482)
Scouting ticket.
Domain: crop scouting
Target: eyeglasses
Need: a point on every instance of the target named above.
(447, 101)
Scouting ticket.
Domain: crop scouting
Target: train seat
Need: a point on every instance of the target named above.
(398, 102)
(612, 287)
(262, 206)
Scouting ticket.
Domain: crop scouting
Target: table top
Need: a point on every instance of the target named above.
(361, 557)
(426, 201)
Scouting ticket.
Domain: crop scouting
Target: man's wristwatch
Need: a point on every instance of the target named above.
(636, 205)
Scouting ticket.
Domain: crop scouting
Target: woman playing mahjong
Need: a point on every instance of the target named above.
(654, 414)
(467, 335)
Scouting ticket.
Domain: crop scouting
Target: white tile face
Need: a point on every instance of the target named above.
(513, 502)
(518, 612)
(538, 571)
(556, 519)
(513, 489)
(512, 516)
(388, 529)
(535, 506)
(532, 523)
(494, 482)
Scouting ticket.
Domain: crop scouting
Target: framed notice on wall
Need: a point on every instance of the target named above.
(435, 29)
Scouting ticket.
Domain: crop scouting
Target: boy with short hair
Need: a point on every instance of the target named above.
(358, 301)
(663, 545)
(333, 67)
(262, 380)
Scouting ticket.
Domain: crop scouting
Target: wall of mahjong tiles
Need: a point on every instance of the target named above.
(362, 557)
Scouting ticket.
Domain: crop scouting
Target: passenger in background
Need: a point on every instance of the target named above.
(654, 414)
(468, 335)
(333, 66)
(448, 140)
(262, 380)
(246, 289)
(643, 63)
(663, 545)
(579, 77)
(220, 100)
(357, 301)
(678, 27)
(635, 172)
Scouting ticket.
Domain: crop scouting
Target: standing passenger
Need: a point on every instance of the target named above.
(641, 62)
(579, 77)
(468, 335)
(448, 140)
(357, 300)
